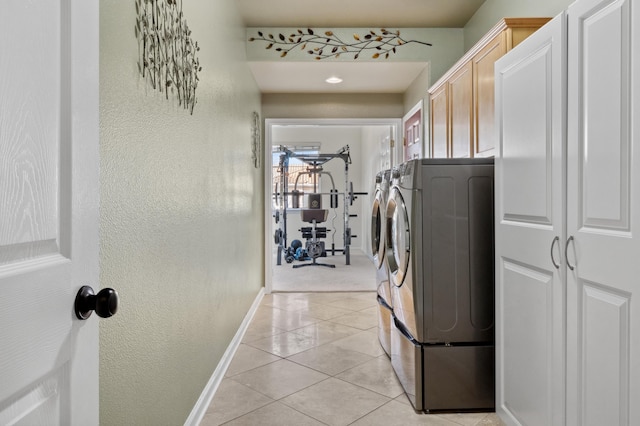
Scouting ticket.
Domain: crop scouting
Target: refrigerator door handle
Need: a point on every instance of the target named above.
(403, 329)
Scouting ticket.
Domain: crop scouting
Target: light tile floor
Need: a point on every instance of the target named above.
(315, 359)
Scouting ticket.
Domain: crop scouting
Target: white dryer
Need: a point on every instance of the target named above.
(378, 248)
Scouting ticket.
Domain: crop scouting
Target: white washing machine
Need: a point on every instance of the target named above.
(440, 253)
(378, 248)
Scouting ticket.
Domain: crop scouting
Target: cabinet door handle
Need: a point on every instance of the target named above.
(566, 249)
(553, 260)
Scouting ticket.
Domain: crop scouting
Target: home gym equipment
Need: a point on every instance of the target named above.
(295, 252)
(313, 234)
(314, 214)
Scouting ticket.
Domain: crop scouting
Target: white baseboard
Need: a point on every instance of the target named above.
(210, 389)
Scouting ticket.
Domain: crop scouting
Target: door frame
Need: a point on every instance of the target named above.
(417, 108)
(269, 123)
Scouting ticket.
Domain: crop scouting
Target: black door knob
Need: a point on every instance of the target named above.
(105, 303)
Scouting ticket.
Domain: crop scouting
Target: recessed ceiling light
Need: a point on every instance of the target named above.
(334, 80)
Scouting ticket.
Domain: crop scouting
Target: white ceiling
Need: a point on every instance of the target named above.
(359, 77)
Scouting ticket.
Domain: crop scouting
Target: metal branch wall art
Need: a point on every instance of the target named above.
(166, 52)
(255, 140)
(329, 45)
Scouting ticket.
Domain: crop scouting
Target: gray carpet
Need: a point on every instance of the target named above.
(360, 275)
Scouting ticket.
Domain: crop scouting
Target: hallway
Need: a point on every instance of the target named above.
(315, 359)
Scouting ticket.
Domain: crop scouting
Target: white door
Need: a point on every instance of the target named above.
(530, 186)
(603, 217)
(48, 210)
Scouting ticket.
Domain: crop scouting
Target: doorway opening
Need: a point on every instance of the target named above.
(371, 146)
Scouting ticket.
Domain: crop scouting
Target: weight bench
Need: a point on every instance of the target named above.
(314, 215)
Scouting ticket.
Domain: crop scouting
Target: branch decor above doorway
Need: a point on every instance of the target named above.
(167, 53)
(329, 45)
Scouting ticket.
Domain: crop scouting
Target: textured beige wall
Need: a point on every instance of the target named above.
(285, 105)
(493, 10)
(181, 217)
(417, 91)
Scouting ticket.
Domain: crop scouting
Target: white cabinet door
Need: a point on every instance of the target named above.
(603, 216)
(48, 210)
(530, 326)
